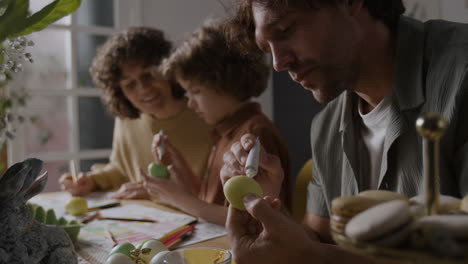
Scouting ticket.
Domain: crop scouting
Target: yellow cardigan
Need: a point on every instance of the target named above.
(131, 147)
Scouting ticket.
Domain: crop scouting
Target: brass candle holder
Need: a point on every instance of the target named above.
(431, 126)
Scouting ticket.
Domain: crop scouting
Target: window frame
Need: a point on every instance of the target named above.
(126, 13)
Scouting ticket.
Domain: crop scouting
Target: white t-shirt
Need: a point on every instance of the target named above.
(373, 132)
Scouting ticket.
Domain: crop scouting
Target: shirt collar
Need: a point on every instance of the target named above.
(230, 123)
(408, 91)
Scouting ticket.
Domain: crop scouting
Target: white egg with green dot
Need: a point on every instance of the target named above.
(155, 247)
(239, 186)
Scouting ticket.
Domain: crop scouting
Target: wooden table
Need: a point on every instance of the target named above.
(219, 242)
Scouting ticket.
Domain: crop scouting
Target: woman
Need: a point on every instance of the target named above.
(143, 102)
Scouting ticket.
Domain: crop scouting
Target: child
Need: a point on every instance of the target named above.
(219, 81)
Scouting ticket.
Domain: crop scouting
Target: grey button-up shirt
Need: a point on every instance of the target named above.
(431, 76)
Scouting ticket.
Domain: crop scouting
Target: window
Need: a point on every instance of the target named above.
(69, 120)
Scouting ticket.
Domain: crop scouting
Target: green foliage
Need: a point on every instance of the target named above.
(17, 21)
(13, 20)
(49, 14)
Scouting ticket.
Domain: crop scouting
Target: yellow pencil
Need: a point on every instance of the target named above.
(73, 170)
(165, 236)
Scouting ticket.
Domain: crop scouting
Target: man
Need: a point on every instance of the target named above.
(378, 72)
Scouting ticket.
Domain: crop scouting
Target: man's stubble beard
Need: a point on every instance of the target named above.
(337, 80)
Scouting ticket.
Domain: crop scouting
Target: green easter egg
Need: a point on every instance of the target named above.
(239, 186)
(157, 170)
(123, 248)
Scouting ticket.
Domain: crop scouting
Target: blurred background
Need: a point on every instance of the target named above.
(70, 123)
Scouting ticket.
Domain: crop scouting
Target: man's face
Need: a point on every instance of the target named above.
(318, 47)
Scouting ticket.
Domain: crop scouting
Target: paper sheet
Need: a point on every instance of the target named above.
(204, 231)
(132, 232)
(93, 244)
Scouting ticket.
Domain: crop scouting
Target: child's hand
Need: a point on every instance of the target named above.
(172, 157)
(168, 191)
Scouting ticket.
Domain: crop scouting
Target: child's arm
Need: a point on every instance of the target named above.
(172, 193)
(212, 213)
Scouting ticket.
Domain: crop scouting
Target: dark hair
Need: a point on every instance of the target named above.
(241, 28)
(147, 45)
(206, 59)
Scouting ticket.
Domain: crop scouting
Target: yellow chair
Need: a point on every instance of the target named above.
(300, 191)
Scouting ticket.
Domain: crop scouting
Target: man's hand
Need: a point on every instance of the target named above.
(263, 235)
(83, 185)
(131, 190)
(270, 174)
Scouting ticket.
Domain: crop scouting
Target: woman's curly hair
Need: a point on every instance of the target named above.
(206, 58)
(144, 44)
(241, 27)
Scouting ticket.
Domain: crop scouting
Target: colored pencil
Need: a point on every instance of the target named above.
(182, 237)
(178, 234)
(165, 236)
(126, 219)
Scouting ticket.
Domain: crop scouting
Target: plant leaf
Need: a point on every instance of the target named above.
(14, 18)
(49, 14)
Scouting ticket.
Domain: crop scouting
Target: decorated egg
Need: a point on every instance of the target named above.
(239, 186)
(155, 246)
(123, 248)
(158, 258)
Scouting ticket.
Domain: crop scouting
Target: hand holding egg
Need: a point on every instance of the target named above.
(239, 186)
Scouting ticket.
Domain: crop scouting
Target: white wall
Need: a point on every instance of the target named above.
(454, 10)
(180, 17)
